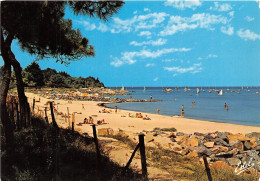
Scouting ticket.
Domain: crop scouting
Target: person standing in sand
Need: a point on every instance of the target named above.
(182, 111)
(158, 110)
(115, 109)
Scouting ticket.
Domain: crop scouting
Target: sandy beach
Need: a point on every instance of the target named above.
(121, 120)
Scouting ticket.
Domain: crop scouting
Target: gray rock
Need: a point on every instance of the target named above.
(222, 136)
(220, 141)
(240, 156)
(224, 155)
(247, 145)
(202, 150)
(179, 134)
(199, 134)
(253, 134)
(233, 161)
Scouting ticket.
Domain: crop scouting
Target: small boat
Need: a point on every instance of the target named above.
(185, 89)
(197, 91)
(168, 90)
(210, 90)
(220, 92)
(123, 88)
(144, 88)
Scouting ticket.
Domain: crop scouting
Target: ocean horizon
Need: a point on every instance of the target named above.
(243, 103)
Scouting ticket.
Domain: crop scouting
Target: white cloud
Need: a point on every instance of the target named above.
(147, 9)
(116, 62)
(208, 57)
(183, 4)
(87, 25)
(135, 12)
(155, 79)
(144, 33)
(221, 7)
(102, 27)
(229, 30)
(248, 18)
(211, 56)
(149, 65)
(195, 68)
(158, 42)
(203, 20)
(248, 35)
(130, 57)
(169, 60)
(138, 22)
(231, 14)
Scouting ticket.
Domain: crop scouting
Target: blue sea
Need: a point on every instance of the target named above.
(243, 104)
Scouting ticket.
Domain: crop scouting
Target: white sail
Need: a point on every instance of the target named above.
(220, 92)
(144, 88)
(123, 88)
(197, 91)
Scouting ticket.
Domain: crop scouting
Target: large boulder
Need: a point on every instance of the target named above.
(220, 141)
(248, 145)
(253, 134)
(233, 161)
(218, 149)
(202, 150)
(225, 155)
(209, 144)
(238, 145)
(233, 138)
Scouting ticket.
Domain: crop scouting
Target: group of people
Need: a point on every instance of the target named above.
(91, 121)
(105, 111)
(225, 106)
(88, 121)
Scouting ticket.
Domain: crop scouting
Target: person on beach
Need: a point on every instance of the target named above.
(85, 121)
(158, 110)
(91, 120)
(225, 105)
(182, 111)
(151, 97)
(83, 106)
(115, 109)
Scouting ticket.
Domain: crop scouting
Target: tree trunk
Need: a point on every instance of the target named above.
(20, 88)
(8, 131)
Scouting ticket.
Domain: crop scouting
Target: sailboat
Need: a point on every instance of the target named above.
(168, 90)
(123, 88)
(220, 92)
(144, 88)
(197, 91)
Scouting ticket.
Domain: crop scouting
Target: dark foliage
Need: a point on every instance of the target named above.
(40, 153)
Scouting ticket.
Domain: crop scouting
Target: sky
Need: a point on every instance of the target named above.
(169, 43)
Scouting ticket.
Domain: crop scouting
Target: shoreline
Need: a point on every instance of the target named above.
(120, 120)
(213, 121)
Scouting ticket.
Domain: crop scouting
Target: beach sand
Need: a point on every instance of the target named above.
(120, 120)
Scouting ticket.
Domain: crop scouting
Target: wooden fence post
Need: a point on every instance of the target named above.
(72, 122)
(97, 150)
(53, 118)
(18, 123)
(68, 116)
(207, 167)
(142, 153)
(46, 116)
(33, 104)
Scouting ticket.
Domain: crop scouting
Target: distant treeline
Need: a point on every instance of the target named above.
(34, 76)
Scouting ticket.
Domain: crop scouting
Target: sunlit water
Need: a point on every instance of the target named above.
(244, 104)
